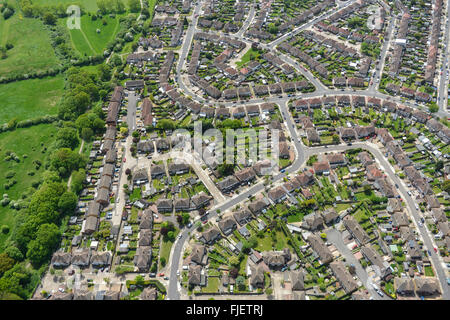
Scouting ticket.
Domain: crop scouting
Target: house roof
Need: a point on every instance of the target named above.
(210, 234)
(320, 248)
(197, 254)
(149, 293)
(343, 276)
(276, 194)
(195, 275)
(358, 232)
(226, 223)
(427, 286)
(257, 276)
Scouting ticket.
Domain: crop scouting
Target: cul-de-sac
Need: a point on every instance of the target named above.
(224, 150)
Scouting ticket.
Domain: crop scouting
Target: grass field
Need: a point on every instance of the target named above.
(30, 99)
(246, 57)
(87, 40)
(32, 50)
(88, 5)
(26, 141)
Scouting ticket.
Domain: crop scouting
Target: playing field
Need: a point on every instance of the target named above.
(32, 50)
(25, 141)
(87, 40)
(29, 99)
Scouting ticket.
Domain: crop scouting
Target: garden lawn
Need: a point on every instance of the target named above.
(21, 141)
(29, 99)
(212, 285)
(166, 246)
(246, 57)
(32, 50)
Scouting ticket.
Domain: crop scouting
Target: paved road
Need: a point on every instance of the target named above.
(382, 59)
(443, 81)
(131, 111)
(247, 22)
(335, 237)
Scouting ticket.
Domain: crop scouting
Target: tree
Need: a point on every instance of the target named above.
(65, 161)
(225, 169)
(104, 71)
(185, 218)
(367, 189)
(101, 4)
(240, 282)
(234, 273)
(68, 202)
(166, 124)
(134, 5)
(273, 29)
(16, 281)
(78, 178)
(439, 165)
(67, 138)
(116, 60)
(6, 263)
(86, 134)
(47, 239)
(49, 18)
(336, 139)
(170, 235)
(120, 6)
(123, 131)
(140, 281)
(433, 107)
(14, 253)
(162, 260)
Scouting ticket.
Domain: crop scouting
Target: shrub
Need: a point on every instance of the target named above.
(4, 229)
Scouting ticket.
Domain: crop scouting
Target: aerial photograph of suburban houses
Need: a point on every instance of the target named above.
(224, 150)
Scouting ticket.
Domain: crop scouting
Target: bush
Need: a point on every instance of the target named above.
(4, 229)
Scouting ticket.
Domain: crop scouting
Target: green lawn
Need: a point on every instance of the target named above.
(87, 40)
(89, 5)
(26, 141)
(429, 271)
(166, 246)
(30, 99)
(212, 285)
(32, 51)
(136, 195)
(246, 57)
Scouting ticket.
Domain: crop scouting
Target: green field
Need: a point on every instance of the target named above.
(87, 41)
(32, 50)
(246, 57)
(25, 141)
(30, 99)
(88, 5)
